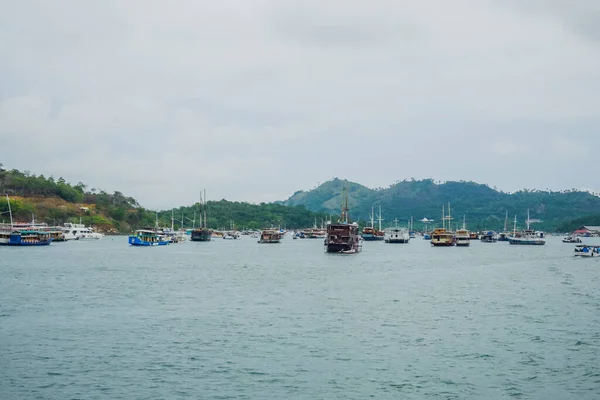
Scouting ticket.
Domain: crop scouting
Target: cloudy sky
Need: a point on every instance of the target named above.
(255, 99)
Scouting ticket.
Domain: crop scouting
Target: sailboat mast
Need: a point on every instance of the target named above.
(172, 221)
(9, 212)
(449, 217)
(515, 227)
(205, 222)
(380, 217)
(443, 217)
(372, 217)
(527, 222)
(505, 221)
(464, 222)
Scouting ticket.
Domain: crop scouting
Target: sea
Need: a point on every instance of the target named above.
(235, 319)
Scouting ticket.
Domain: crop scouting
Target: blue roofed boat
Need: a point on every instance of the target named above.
(25, 238)
(148, 237)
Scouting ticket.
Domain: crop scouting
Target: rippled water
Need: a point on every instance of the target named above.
(241, 320)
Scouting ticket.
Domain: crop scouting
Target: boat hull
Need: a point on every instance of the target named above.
(527, 242)
(135, 241)
(442, 244)
(371, 238)
(397, 240)
(462, 244)
(201, 235)
(42, 243)
(269, 241)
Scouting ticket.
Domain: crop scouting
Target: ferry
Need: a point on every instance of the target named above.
(25, 238)
(396, 234)
(441, 236)
(148, 237)
(463, 237)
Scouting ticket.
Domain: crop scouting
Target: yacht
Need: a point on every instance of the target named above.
(80, 232)
(528, 236)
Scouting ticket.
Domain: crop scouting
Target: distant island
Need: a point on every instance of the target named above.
(56, 201)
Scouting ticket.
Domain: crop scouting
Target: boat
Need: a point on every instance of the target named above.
(489, 237)
(25, 238)
(369, 233)
(474, 235)
(584, 250)
(572, 239)
(80, 232)
(270, 236)
(426, 236)
(343, 237)
(528, 236)
(411, 230)
(440, 236)
(396, 234)
(202, 233)
(463, 236)
(503, 236)
(148, 237)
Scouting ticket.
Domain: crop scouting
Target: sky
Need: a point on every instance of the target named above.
(256, 99)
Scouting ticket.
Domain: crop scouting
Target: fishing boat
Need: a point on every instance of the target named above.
(369, 233)
(584, 250)
(343, 237)
(270, 236)
(462, 236)
(202, 233)
(441, 236)
(396, 234)
(572, 239)
(489, 237)
(528, 236)
(148, 237)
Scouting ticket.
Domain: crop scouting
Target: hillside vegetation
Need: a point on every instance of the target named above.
(483, 207)
(56, 201)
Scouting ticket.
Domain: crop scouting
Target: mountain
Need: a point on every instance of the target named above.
(483, 206)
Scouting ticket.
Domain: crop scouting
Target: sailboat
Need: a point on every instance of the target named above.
(343, 237)
(202, 233)
(463, 237)
(528, 236)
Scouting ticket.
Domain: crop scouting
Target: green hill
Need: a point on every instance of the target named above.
(483, 206)
(56, 201)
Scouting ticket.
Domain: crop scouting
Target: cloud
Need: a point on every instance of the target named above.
(256, 99)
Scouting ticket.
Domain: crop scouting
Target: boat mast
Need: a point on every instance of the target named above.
(205, 209)
(443, 217)
(515, 227)
(380, 219)
(372, 217)
(527, 222)
(505, 221)
(172, 221)
(449, 217)
(9, 212)
(464, 222)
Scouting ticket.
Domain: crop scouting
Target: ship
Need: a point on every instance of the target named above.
(369, 233)
(463, 236)
(528, 236)
(343, 236)
(441, 237)
(202, 233)
(396, 234)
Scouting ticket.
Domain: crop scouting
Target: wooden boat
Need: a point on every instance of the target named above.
(369, 233)
(270, 236)
(148, 237)
(343, 237)
(25, 238)
(441, 237)
(202, 233)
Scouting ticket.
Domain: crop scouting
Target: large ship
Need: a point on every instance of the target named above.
(202, 233)
(343, 237)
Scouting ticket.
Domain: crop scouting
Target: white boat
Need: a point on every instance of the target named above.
(527, 237)
(584, 250)
(396, 234)
(463, 236)
(80, 232)
(572, 239)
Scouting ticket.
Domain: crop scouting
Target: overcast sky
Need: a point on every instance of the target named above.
(255, 99)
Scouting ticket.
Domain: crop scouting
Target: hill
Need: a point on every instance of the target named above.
(483, 206)
(56, 201)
